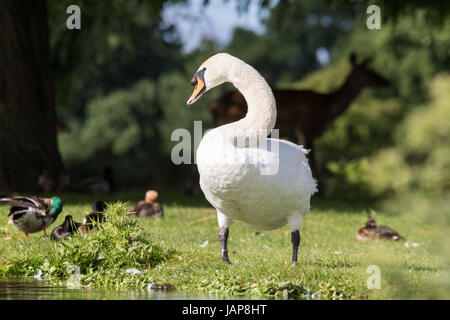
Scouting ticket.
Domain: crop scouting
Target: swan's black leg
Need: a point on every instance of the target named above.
(223, 239)
(295, 239)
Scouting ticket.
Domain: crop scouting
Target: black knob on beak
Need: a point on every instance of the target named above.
(194, 80)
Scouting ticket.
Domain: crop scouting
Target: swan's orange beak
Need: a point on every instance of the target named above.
(200, 87)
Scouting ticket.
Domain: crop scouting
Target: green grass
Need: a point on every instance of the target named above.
(332, 263)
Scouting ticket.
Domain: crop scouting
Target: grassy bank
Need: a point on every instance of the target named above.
(182, 249)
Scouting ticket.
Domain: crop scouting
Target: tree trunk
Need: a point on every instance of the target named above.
(28, 143)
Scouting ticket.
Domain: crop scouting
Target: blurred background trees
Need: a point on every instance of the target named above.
(27, 106)
(121, 83)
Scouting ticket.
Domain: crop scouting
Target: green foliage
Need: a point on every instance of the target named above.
(420, 160)
(294, 32)
(409, 51)
(349, 178)
(436, 10)
(120, 129)
(131, 129)
(388, 172)
(102, 256)
(118, 44)
(121, 121)
(417, 159)
(364, 128)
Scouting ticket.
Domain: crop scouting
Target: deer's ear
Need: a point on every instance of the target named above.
(353, 58)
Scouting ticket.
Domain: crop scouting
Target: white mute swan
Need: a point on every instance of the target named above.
(265, 187)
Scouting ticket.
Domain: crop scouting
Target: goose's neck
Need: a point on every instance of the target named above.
(262, 112)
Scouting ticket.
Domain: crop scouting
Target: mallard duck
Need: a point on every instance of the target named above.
(32, 214)
(372, 232)
(265, 183)
(148, 207)
(66, 229)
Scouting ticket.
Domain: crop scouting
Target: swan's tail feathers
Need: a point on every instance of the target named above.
(316, 188)
(313, 182)
(304, 150)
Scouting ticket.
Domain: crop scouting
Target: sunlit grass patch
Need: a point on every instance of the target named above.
(101, 257)
(182, 249)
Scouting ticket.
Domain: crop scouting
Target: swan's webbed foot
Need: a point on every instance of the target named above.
(223, 239)
(295, 240)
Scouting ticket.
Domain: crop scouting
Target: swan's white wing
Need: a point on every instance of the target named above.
(279, 169)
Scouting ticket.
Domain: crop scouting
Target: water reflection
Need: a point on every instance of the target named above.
(32, 289)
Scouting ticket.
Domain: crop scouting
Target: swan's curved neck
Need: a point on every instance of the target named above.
(262, 112)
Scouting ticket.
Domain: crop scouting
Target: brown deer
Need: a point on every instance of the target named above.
(302, 115)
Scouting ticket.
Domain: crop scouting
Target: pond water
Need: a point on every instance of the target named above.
(32, 289)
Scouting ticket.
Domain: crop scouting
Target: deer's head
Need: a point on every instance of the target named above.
(364, 76)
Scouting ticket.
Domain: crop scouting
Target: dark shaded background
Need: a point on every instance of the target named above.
(121, 82)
